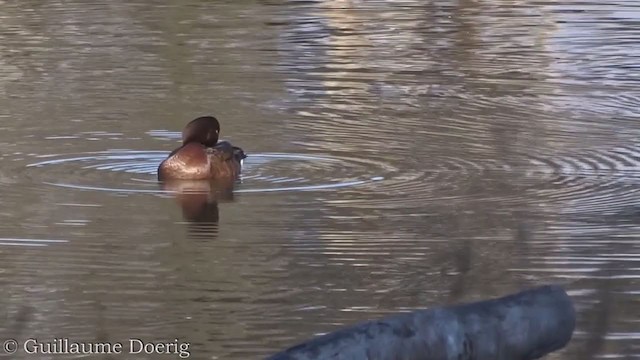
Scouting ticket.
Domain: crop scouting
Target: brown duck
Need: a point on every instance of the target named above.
(201, 156)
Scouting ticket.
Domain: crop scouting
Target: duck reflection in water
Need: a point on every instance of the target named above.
(199, 202)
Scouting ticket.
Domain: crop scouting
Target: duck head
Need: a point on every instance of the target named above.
(203, 130)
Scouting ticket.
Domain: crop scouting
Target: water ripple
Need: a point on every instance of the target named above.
(593, 181)
(265, 172)
(29, 242)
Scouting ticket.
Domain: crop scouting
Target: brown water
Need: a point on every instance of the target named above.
(403, 154)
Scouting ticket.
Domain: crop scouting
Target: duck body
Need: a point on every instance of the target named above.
(201, 156)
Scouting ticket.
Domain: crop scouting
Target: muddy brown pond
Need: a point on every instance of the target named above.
(402, 155)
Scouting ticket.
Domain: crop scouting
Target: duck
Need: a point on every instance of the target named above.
(202, 156)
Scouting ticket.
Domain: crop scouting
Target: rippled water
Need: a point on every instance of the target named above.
(402, 154)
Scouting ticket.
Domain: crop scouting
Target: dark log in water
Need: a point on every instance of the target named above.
(522, 326)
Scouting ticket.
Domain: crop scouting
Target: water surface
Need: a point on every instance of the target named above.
(402, 154)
